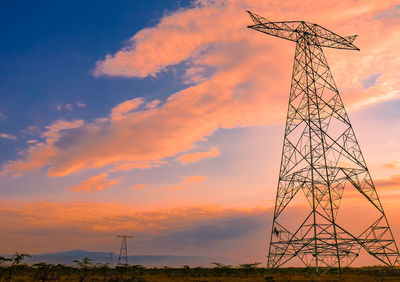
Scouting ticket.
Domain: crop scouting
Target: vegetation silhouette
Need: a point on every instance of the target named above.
(12, 269)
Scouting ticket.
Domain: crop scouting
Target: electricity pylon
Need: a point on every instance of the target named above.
(123, 252)
(320, 158)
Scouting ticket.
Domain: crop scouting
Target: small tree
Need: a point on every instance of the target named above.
(221, 265)
(4, 259)
(221, 268)
(43, 271)
(18, 257)
(84, 265)
(250, 265)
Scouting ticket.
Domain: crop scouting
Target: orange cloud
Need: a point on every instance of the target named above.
(392, 183)
(125, 107)
(139, 186)
(172, 188)
(139, 165)
(41, 153)
(39, 227)
(209, 24)
(194, 179)
(187, 181)
(94, 184)
(195, 157)
(392, 165)
(153, 104)
(94, 225)
(236, 77)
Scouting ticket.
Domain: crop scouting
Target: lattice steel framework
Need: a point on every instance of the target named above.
(321, 157)
(123, 252)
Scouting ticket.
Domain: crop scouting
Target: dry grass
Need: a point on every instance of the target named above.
(47, 272)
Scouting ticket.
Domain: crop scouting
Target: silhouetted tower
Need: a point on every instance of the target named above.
(123, 253)
(320, 158)
(110, 259)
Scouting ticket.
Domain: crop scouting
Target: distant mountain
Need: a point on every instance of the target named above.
(145, 260)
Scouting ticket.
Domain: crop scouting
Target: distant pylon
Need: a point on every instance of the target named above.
(123, 253)
(320, 159)
(110, 259)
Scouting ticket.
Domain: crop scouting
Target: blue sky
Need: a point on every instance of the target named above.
(49, 50)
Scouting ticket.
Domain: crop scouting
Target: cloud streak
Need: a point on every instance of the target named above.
(235, 77)
(193, 230)
(95, 224)
(195, 157)
(94, 184)
(189, 180)
(392, 183)
(139, 186)
(7, 136)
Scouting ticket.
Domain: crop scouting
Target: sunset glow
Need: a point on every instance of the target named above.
(166, 121)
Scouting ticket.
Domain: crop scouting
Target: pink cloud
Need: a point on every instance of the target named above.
(392, 165)
(153, 104)
(137, 165)
(41, 153)
(237, 78)
(125, 107)
(391, 183)
(94, 184)
(194, 179)
(7, 136)
(139, 186)
(80, 104)
(69, 107)
(189, 180)
(195, 157)
(172, 188)
(41, 225)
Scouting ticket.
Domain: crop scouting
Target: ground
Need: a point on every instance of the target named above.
(47, 272)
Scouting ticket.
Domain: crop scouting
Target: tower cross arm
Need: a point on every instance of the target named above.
(124, 236)
(294, 30)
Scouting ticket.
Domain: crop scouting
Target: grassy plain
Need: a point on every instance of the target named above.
(46, 272)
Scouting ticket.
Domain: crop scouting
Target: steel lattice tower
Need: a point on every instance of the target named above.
(123, 252)
(321, 157)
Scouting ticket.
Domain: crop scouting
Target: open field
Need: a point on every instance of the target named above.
(46, 272)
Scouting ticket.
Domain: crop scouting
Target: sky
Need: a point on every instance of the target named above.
(164, 119)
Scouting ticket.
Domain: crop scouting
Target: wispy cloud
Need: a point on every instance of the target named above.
(391, 183)
(7, 136)
(392, 165)
(93, 225)
(124, 108)
(136, 165)
(153, 104)
(94, 184)
(139, 186)
(80, 104)
(245, 82)
(195, 157)
(69, 106)
(194, 179)
(192, 230)
(188, 180)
